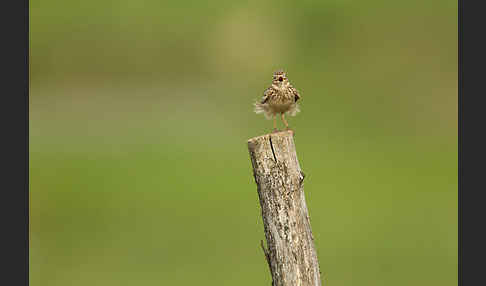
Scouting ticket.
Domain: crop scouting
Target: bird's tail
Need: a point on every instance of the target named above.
(260, 108)
(294, 110)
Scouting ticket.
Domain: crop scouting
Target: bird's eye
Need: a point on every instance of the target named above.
(280, 79)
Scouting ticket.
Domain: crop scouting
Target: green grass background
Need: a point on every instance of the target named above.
(140, 112)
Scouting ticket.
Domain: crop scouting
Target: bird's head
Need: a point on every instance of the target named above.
(280, 79)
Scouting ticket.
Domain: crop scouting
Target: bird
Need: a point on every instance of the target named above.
(280, 98)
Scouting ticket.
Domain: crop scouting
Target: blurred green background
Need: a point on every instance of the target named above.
(140, 112)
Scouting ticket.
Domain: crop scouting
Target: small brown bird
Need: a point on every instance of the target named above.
(280, 98)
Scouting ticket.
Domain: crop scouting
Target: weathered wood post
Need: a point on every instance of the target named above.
(291, 253)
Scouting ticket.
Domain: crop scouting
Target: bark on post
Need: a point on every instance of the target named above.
(291, 253)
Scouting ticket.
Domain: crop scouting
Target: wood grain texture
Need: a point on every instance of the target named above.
(291, 253)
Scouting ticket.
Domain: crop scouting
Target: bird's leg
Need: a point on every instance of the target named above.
(285, 121)
(275, 123)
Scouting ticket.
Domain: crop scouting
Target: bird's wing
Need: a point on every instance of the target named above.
(295, 93)
(267, 94)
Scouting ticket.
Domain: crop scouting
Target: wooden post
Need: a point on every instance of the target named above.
(291, 253)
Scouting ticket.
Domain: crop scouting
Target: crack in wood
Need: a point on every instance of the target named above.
(273, 151)
(302, 177)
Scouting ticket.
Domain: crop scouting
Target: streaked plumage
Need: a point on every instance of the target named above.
(280, 98)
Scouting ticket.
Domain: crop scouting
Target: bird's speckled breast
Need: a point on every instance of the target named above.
(282, 100)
